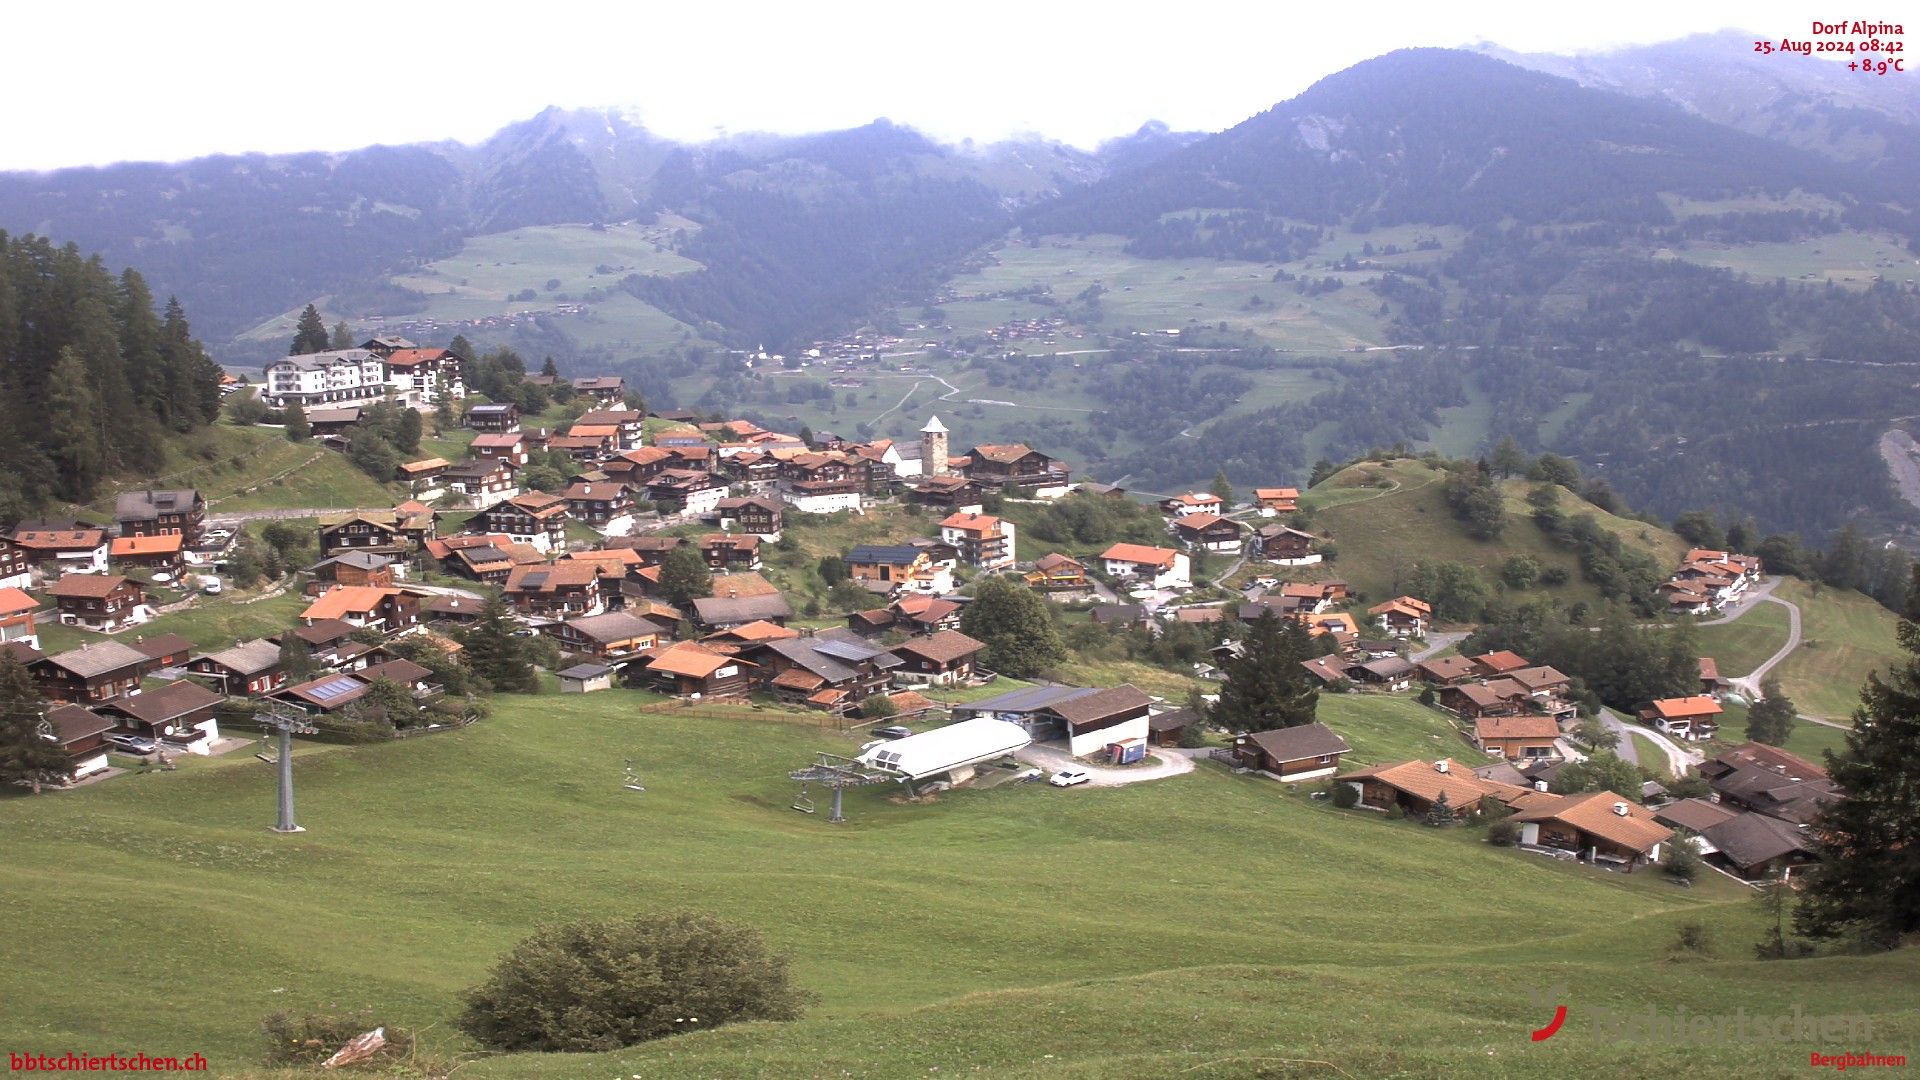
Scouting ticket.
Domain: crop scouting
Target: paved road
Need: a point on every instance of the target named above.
(1053, 758)
(1749, 684)
(1438, 643)
(1762, 591)
(1679, 761)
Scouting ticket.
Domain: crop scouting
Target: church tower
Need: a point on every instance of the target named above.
(933, 448)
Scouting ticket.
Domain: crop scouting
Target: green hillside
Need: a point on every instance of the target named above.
(237, 468)
(1746, 643)
(1208, 925)
(1843, 637)
(1387, 516)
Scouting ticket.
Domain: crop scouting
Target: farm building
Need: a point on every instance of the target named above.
(951, 753)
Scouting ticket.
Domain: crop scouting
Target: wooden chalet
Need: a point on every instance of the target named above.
(1285, 545)
(689, 669)
(388, 610)
(1292, 754)
(107, 603)
(93, 673)
(535, 518)
(1278, 500)
(1523, 737)
(165, 554)
(248, 669)
(1209, 532)
(1403, 617)
(561, 590)
(1602, 827)
(943, 658)
(351, 568)
(178, 714)
(731, 551)
(161, 512)
(615, 635)
(81, 734)
(754, 515)
(371, 531)
(497, 418)
(1014, 465)
(1689, 718)
(1059, 576)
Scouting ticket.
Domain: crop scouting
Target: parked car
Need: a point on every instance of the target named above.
(210, 585)
(1069, 777)
(133, 744)
(1025, 776)
(895, 732)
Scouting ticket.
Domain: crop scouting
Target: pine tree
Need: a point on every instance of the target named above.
(310, 334)
(684, 576)
(342, 337)
(549, 369)
(27, 752)
(296, 658)
(1265, 685)
(1016, 628)
(1771, 719)
(1868, 877)
(1221, 489)
(407, 431)
(1508, 459)
(297, 427)
(73, 427)
(495, 655)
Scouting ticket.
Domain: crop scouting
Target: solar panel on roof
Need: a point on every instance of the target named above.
(333, 688)
(846, 650)
(535, 580)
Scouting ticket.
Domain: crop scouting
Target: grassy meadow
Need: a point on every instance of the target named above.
(1387, 516)
(1745, 643)
(1207, 925)
(1843, 637)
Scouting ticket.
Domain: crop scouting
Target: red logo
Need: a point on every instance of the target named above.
(1551, 998)
(1545, 1033)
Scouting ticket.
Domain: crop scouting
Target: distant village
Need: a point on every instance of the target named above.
(587, 566)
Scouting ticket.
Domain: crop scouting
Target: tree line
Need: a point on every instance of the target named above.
(95, 377)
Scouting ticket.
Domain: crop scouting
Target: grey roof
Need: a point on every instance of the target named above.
(148, 503)
(1025, 700)
(1388, 667)
(248, 657)
(1106, 613)
(170, 701)
(98, 658)
(815, 657)
(1300, 742)
(1751, 839)
(489, 410)
(1172, 719)
(362, 560)
(71, 723)
(587, 671)
(887, 554)
(1103, 704)
(715, 610)
(848, 650)
(613, 626)
(318, 360)
(1699, 815)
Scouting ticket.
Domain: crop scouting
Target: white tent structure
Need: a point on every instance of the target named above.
(952, 751)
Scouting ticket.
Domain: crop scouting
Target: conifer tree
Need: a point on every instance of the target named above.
(78, 451)
(1771, 719)
(342, 336)
(27, 753)
(684, 576)
(310, 335)
(297, 427)
(495, 655)
(1868, 878)
(1221, 488)
(1265, 686)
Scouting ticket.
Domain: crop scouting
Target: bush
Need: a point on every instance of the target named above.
(1193, 736)
(1396, 812)
(878, 707)
(1346, 796)
(1503, 833)
(314, 1037)
(1692, 937)
(1680, 858)
(605, 984)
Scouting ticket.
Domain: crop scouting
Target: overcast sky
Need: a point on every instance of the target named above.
(94, 82)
